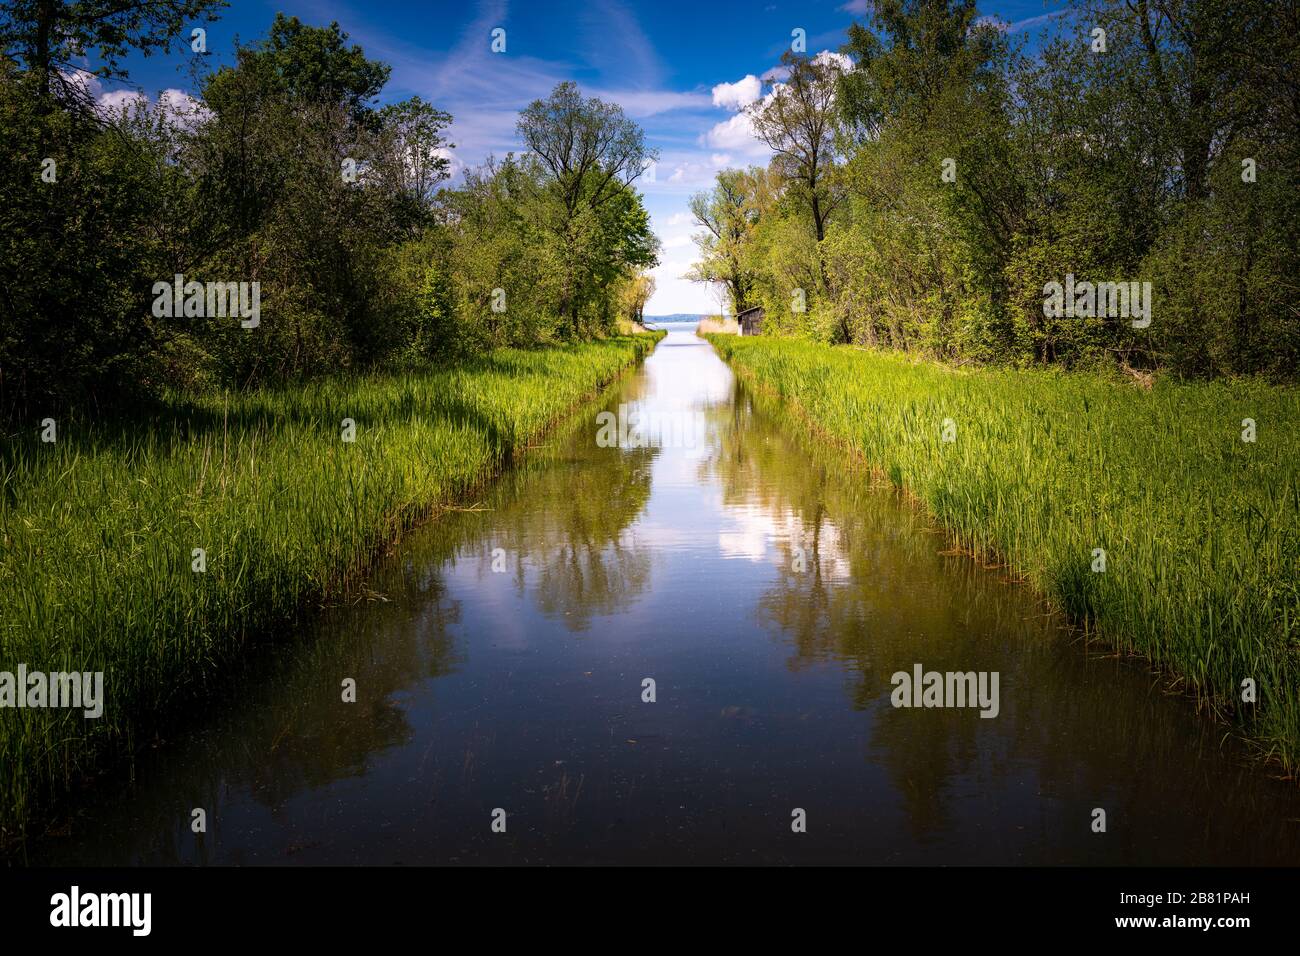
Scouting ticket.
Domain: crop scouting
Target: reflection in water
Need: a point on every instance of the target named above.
(559, 528)
(770, 589)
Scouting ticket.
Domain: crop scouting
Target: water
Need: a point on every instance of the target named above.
(520, 688)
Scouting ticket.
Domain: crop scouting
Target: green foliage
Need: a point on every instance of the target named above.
(285, 173)
(969, 175)
(797, 120)
(729, 213)
(304, 63)
(77, 257)
(587, 154)
(412, 156)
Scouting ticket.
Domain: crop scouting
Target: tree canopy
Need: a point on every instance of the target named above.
(935, 187)
(290, 172)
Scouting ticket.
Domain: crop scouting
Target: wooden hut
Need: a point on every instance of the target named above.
(750, 321)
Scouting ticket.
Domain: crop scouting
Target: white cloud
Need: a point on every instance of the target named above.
(119, 101)
(844, 62)
(181, 109)
(690, 170)
(856, 7)
(179, 101)
(739, 94)
(735, 134)
(454, 163)
(83, 80)
(720, 159)
(178, 107)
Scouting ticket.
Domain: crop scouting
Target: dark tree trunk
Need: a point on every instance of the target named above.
(45, 16)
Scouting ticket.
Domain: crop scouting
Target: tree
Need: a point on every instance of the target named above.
(728, 213)
(623, 245)
(636, 294)
(797, 121)
(49, 35)
(308, 64)
(593, 153)
(1195, 55)
(912, 52)
(933, 196)
(301, 190)
(413, 153)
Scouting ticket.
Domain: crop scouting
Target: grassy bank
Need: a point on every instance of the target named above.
(1200, 529)
(99, 529)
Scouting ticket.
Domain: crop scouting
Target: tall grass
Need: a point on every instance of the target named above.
(1201, 530)
(98, 529)
(717, 325)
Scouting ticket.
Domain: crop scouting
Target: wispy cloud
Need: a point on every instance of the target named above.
(615, 42)
(1019, 26)
(484, 91)
(640, 104)
(602, 46)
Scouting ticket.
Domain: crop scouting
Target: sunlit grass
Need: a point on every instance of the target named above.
(98, 529)
(718, 325)
(1201, 530)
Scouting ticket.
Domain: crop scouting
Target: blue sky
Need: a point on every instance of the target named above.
(681, 68)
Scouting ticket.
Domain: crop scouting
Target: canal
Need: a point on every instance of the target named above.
(763, 592)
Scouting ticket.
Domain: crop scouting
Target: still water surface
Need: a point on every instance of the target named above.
(499, 656)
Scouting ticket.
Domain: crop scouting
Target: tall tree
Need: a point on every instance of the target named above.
(593, 152)
(413, 152)
(797, 121)
(909, 52)
(728, 214)
(1196, 57)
